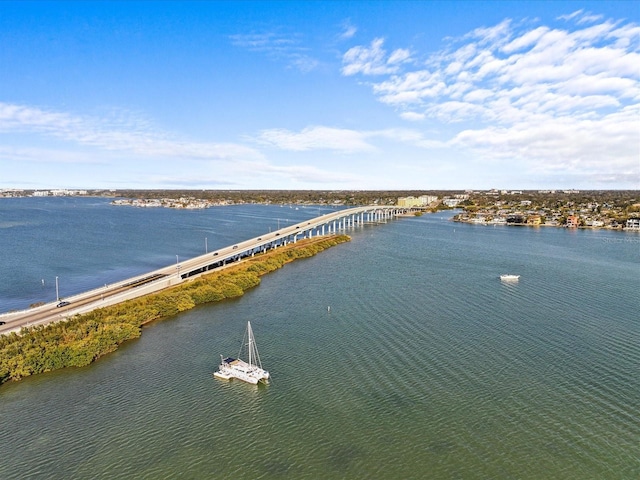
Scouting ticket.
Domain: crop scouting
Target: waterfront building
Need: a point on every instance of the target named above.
(451, 202)
(573, 221)
(594, 223)
(412, 201)
(633, 224)
(407, 201)
(515, 218)
(428, 199)
(534, 220)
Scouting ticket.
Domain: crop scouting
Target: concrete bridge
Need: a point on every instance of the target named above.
(340, 221)
(329, 224)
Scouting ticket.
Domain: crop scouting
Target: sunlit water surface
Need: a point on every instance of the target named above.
(425, 365)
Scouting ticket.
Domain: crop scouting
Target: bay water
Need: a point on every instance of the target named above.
(425, 365)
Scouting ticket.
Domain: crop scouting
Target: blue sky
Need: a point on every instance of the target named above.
(320, 95)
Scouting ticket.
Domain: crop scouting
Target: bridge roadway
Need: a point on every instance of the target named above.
(328, 224)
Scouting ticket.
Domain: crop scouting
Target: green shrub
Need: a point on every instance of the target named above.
(84, 338)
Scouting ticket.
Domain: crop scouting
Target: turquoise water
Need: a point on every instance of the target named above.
(426, 365)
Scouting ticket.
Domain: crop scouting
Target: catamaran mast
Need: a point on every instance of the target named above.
(250, 333)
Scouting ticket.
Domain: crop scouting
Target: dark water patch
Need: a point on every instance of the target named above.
(343, 456)
(440, 447)
(277, 468)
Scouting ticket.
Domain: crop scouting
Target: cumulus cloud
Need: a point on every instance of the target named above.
(373, 60)
(552, 96)
(547, 142)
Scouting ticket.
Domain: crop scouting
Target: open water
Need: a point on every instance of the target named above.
(426, 365)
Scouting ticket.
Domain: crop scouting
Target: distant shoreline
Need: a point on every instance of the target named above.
(618, 228)
(617, 210)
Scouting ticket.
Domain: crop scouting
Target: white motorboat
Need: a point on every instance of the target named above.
(509, 277)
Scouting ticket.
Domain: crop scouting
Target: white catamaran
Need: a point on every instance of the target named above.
(251, 371)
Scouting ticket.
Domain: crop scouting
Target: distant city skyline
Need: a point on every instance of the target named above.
(368, 95)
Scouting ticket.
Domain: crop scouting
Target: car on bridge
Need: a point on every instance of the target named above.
(63, 304)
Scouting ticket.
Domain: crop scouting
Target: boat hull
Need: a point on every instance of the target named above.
(236, 368)
(222, 375)
(509, 278)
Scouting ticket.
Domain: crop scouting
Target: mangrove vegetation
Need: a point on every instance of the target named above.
(83, 339)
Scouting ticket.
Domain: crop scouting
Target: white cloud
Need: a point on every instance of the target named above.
(46, 155)
(478, 95)
(373, 60)
(498, 34)
(278, 46)
(580, 16)
(234, 175)
(411, 88)
(123, 133)
(595, 145)
(264, 42)
(304, 63)
(310, 174)
(344, 140)
(17, 117)
(399, 56)
(412, 116)
(317, 138)
(407, 137)
(525, 40)
(542, 95)
(348, 30)
(570, 16)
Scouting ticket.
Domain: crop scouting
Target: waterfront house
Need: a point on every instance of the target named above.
(633, 224)
(515, 219)
(534, 220)
(573, 221)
